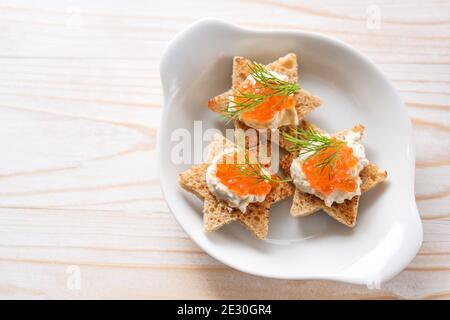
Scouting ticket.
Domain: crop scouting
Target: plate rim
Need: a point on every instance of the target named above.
(386, 273)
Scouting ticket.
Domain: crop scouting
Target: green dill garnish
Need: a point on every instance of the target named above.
(256, 171)
(310, 141)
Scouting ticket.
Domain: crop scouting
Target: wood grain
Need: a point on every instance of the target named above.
(80, 101)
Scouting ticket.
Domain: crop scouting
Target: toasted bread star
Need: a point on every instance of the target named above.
(305, 204)
(217, 213)
(286, 65)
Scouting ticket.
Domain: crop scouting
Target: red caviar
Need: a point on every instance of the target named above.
(266, 111)
(234, 177)
(331, 177)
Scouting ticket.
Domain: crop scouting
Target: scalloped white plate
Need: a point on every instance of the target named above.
(197, 65)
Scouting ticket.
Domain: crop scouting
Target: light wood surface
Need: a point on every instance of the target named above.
(80, 101)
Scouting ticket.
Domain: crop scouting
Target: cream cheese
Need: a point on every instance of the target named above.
(353, 140)
(222, 192)
(284, 117)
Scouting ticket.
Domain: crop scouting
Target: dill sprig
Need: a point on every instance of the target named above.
(310, 141)
(255, 170)
(271, 85)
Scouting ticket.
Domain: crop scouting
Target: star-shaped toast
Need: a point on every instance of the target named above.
(286, 65)
(217, 213)
(305, 204)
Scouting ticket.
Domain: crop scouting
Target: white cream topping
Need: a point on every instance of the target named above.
(222, 192)
(353, 140)
(284, 117)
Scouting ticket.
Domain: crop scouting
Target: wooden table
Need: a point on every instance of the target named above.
(81, 211)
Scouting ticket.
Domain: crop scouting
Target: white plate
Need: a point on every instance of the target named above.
(197, 66)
